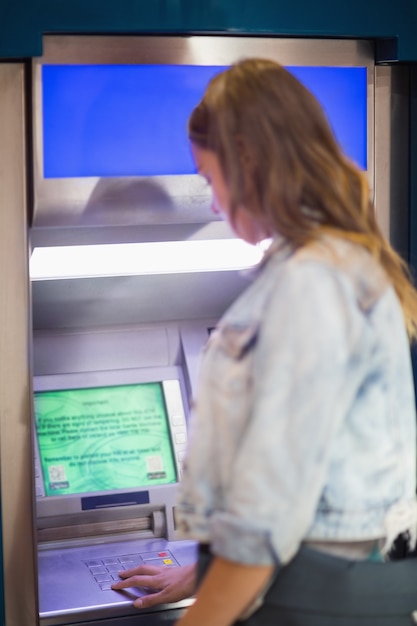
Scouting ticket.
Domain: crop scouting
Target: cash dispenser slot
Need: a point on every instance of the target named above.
(91, 525)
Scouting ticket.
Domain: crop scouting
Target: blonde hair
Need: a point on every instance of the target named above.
(282, 162)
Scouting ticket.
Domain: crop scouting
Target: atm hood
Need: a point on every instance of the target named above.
(80, 209)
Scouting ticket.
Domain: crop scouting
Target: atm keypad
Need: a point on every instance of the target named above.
(105, 570)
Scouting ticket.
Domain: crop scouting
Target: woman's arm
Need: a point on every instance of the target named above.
(226, 592)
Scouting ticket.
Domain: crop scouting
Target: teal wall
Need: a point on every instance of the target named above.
(413, 170)
(23, 22)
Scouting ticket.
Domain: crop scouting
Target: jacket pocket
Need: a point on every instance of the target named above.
(231, 355)
(236, 341)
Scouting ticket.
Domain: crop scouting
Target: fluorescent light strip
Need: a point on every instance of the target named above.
(169, 257)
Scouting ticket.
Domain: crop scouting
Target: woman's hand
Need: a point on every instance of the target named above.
(163, 583)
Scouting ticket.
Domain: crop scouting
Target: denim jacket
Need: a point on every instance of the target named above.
(304, 424)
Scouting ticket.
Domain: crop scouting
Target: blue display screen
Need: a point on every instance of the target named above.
(131, 120)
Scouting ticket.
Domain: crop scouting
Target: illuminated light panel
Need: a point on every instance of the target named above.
(131, 120)
(135, 259)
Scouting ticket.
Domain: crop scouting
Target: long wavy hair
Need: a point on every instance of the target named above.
(282, 162)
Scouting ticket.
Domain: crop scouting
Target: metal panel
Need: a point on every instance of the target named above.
(391, 154)
(24, 22)
(105, 349)
(118, 300)
(15, 385)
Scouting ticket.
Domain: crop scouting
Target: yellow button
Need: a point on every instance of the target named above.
(168, 562)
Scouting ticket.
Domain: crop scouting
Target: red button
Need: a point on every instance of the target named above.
(162, 553)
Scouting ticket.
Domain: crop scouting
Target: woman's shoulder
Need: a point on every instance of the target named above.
(347, 262)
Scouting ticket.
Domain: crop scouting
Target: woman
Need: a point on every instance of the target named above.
(301, 468)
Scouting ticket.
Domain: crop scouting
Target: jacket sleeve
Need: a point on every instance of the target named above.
(306, 373)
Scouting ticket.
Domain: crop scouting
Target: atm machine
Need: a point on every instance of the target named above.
(116, 343)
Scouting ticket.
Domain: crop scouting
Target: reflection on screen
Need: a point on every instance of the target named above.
(131, 120)
(103, 438)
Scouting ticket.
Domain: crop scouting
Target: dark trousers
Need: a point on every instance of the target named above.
(317, 589)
